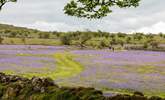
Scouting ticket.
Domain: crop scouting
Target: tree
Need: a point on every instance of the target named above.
(128, 39)
(102, 44)
(3, 2)
(83, 38)
(91, 9)
(65, 39)
(121, 42)
(13, 34)
(161, 34)
(145, 45)
(95, 9)
(44, 35)
(113, 41)
(121, 35)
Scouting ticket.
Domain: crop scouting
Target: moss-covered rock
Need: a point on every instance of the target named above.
(18, 88)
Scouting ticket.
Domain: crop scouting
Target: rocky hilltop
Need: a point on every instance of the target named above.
(14, 87)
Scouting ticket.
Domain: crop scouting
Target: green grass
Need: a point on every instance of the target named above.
(65, 67)
(34, 55)
(147, 69)
(117, 91)
(9, 72)
(31, 41)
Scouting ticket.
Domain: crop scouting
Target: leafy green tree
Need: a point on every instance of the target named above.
(95, 9)
(150, 36)
(91, 9)
(161, 34)
(65, 39)
(138, 36)
(113, 41)
(44, 35)
(145, 45)
(121, 42)
(3, 2)
(102, 44)
(13, 34)
(121, 35)
(128, 39)
(83, 39)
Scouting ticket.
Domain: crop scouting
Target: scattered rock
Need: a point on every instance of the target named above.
(48, 82)
(138, 97)
(138, 93)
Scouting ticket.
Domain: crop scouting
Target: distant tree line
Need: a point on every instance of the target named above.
(84, 39)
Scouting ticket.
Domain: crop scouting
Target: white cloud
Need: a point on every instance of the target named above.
(156, 28)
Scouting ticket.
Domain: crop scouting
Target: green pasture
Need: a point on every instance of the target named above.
(31, 41)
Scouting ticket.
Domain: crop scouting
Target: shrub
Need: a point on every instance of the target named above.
(145, 45)
(65, 40)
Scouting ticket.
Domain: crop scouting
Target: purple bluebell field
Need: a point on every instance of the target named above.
(122, 70)
(119, 71)
(21, 58)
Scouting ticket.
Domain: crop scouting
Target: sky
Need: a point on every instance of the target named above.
(48, 15)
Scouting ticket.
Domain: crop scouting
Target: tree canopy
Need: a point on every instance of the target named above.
(3, 2)
(95, 9)
(91, 9)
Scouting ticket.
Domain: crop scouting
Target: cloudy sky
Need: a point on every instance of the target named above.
(48, 15)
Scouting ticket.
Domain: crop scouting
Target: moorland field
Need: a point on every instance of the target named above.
(114, 63)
